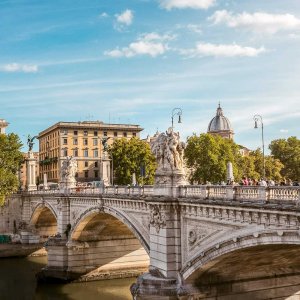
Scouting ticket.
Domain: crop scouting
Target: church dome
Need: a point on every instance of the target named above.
(220, 125)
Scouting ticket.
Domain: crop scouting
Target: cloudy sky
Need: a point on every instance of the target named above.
(133, 61)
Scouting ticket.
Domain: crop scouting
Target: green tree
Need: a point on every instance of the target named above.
(129, 156)
(288, 152)
(10, 161)
(207, 156)
(252, 166)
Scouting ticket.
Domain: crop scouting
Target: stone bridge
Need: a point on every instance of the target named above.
(191, 243)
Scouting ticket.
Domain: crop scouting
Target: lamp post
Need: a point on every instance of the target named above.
(258, 118)
(176, 111)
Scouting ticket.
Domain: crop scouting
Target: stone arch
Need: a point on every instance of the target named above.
(38, 209)
(90, 213)
(212, 256)
(43, 221)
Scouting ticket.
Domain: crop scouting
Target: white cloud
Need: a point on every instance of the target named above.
(104, 15)
(258, 22)
(284, 130)
(14, 67)
(194, 28)
(222, 50)
(194, 4)
(191, 27)
(152, 44)
(125, 18)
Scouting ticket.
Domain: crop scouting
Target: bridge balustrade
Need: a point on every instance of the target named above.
(202, 192)
(284, 193)
(147, 190)
(248, 193)
(217, 192)
(193, 191)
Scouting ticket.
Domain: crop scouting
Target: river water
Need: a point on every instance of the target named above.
(17, 282)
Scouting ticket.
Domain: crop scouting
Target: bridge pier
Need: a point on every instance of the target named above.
(163, 278)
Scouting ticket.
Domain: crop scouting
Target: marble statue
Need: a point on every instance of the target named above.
(169, 150)
(68, 172)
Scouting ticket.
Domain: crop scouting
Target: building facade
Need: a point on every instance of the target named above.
(220, 125)
(82, 140)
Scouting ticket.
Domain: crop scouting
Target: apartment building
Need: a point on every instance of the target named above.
(82, 140)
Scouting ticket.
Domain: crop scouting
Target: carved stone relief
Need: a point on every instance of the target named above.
(157, 218)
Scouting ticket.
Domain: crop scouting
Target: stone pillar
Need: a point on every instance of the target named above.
(63, 217)
(163, 278)
(30, 172)
(105, 171)
(57, 250)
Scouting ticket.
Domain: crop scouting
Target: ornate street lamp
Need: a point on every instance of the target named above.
(258, 118)
(176, 111)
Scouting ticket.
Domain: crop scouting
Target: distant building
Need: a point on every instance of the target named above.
(244, 151)
(81, 140)
(3, 125)
(220, 125)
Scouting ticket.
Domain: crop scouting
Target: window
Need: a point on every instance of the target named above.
(63, 132)
(95, 142)
(85, 142)
(86, 164)
(115, 133)
(134, 134)
(75, 132)
(86, 174)
(95, 133)
(86, 153)
(75, 141)
(76, 175)
(96, 153)
(64, 152)
(96, 174)
(75, 152)
(105, 133)
(85, 132)
(96, 164)
(125, 134)
(65, 141)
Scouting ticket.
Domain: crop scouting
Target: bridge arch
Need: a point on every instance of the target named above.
(43, 221)
(103, 241)
(275, 250)
(92, 212)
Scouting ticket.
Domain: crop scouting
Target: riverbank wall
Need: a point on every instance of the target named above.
(19, 250)
(11, 214)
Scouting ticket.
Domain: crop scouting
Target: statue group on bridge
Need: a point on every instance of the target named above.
(168, 150)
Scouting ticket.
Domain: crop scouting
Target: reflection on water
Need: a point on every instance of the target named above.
(17, 281)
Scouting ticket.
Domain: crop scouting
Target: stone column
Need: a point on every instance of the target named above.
(30, 172)
(163, 278)
(63, 216)
(57, 250)
(105, 171)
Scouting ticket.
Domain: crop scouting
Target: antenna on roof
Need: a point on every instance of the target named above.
(89, 117)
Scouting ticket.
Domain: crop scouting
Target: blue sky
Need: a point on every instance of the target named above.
(135, 60)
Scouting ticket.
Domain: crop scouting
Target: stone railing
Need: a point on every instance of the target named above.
(201, 192)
